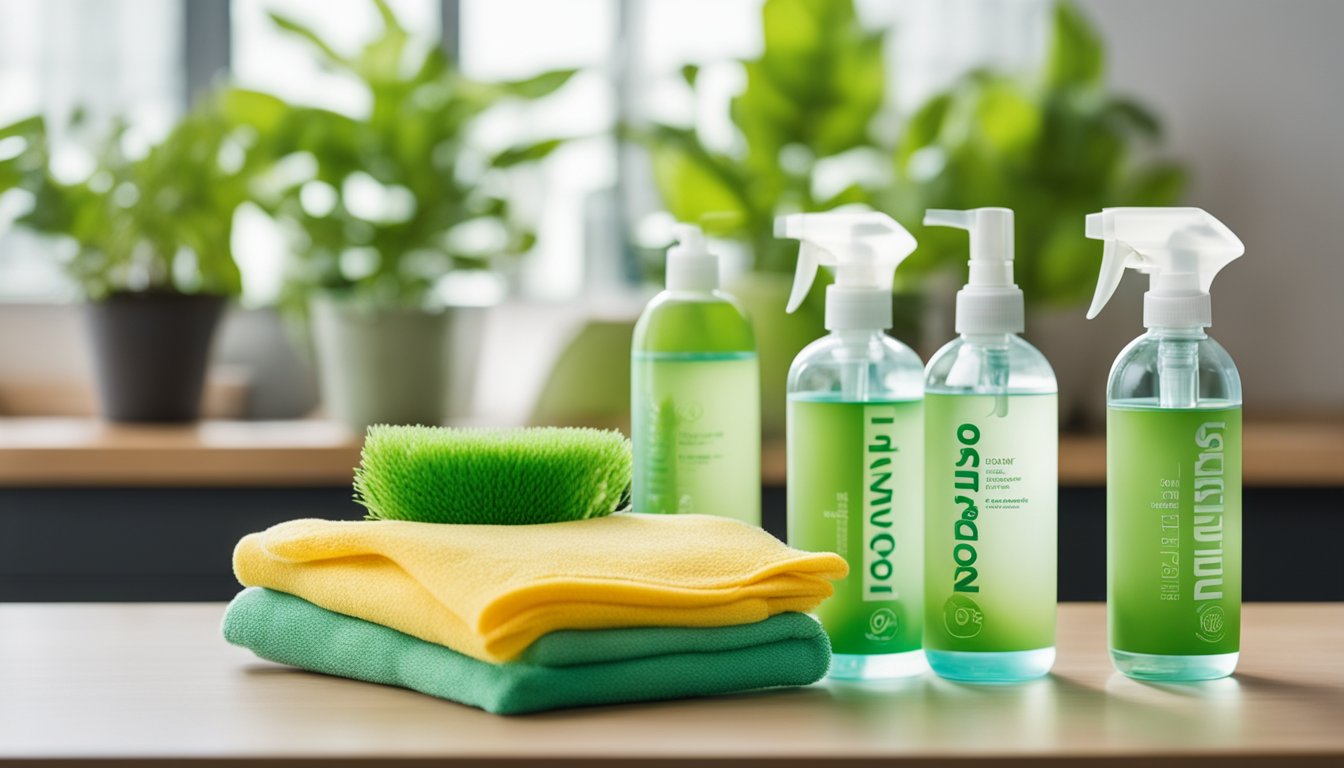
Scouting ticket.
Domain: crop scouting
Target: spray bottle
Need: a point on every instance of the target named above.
(1173, 452)
(855, 442)
(991, 476)
(695, 394)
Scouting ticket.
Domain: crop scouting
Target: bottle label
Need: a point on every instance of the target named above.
(855, 488)
(1173, 529)
(697, 432)
(991, 502)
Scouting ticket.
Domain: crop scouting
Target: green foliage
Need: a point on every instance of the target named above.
(443, 202)
(1053, 147)
(810, 98)
(492, 476)
(159, 222)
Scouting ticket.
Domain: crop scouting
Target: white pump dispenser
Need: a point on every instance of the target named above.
(1181, 249)
(690, 265)
(990, 303)
(864, 248)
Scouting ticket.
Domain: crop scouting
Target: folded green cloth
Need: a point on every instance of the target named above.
(569, 668)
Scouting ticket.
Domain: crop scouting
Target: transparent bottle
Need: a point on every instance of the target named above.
(855, 445)
(1173, 452)
(855, 425)
(991, 526)
(695, 396)
(991, 483)
(1173, 507)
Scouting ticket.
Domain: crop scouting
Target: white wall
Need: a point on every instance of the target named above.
(1252, 96)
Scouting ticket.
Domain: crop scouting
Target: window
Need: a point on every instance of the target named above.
(111, 58)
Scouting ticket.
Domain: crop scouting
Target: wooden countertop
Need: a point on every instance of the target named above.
(82, 452)
(128, 682)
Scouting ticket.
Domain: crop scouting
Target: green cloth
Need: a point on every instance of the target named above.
(570, 668)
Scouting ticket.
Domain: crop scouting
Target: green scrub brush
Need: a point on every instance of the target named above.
(492, 476)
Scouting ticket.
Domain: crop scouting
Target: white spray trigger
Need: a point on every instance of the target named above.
(864, 248)
(810, 257)
(1181, 250)
(1115, 256)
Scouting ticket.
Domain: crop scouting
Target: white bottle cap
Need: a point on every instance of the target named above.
(690, 265)
(990, 303)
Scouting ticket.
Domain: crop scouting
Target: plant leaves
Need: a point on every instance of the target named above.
(307, 34)
(1076, 55)
(537, 86)
(525, 153)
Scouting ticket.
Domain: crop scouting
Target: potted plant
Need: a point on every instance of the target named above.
(1054, 145)
(147, 240)
(806, 115)
(382, 206)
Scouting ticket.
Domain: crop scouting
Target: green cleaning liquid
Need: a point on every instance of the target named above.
(1173, 527)
(697, 433)
(695, 394)
(990, 528)
(855, 488)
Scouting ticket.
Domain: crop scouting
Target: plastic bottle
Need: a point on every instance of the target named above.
(1173, 452)
(855, 440)
(991, 482)
(695, 394)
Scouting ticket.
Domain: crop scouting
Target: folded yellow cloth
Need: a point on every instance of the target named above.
(489, 591)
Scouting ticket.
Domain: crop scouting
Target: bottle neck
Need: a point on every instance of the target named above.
(852, 336)
(1189, 332)
(988, 339)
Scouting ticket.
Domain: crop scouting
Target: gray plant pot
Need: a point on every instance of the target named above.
(394, 366)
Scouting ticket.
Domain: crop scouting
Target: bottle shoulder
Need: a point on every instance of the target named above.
(857, 367)
(968, 365)
(1136, 377)
(687, 322)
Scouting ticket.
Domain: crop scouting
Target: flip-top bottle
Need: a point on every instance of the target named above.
(991, 476)
(1173, 452)
(855, 439)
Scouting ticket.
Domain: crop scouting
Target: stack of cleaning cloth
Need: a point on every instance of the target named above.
(525, 618)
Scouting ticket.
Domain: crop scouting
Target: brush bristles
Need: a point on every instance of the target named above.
(492, 476)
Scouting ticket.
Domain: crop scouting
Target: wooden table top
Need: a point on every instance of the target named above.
(131, 682)
(53, 452)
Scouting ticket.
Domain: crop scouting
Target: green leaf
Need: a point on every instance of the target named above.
(923, 129)
(255, 109)
(1130, 116)
(28, 126)
(1157, 185)
(689, 73)
(525, 153)
(306, 33)
(693, 185)
(1076, 56)
(537, 86)
(1008, 120)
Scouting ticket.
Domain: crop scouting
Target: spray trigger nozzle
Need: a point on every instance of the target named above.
(1180, 249)
(863, 248)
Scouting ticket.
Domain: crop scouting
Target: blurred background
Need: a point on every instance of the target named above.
(233, 232)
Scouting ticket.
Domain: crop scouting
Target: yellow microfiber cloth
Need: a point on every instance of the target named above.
(489, 591)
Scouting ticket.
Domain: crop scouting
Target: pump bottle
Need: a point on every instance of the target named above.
(1173, 452)
(695, 395)
(991, 478)
(855, 422)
